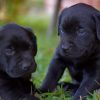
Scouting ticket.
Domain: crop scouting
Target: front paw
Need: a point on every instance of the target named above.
(68, 86)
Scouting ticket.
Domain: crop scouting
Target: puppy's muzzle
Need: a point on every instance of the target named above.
(27, 65)
(66, 48)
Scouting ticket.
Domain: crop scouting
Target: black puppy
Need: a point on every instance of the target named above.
(78, 50)
(17, 61)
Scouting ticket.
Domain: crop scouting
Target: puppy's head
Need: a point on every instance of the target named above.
(17, 50)
(78, 30)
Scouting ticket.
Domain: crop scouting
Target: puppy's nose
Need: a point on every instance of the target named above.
(25, 66)
(65, 47)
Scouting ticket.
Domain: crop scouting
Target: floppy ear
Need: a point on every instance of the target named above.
(60, 17)
(97, 22)
(32, 37)
(58, 26)
(59, 21)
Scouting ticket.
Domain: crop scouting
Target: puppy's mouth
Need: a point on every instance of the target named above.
(74, 53)
(16, 73)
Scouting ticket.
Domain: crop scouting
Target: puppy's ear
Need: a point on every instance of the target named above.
(59, 21)
(32, 37)
(59, 24)
(97, 22)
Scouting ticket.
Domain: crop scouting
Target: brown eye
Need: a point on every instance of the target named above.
(9, 51)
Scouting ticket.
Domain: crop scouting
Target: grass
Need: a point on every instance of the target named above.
(46, 48)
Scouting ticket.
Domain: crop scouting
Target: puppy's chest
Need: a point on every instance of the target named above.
(76, 63)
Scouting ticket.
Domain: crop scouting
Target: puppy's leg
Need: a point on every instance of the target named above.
(55, 72)
(77, 76)
(88, 84)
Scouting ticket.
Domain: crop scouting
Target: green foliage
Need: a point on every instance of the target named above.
(39, 25)
(39, 3)
(58, 94)
(44, 55)
(94, 96)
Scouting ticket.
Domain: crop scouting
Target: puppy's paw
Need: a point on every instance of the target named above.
(68, 86)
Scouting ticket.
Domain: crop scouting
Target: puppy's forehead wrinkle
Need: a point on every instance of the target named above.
(70, 24)
(20, 43)
(81, 11)
(10, 34)
(13, 29)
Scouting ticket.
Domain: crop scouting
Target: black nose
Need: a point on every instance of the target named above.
(25, 66)
(65, 47)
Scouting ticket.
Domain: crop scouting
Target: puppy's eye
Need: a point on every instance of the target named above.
(9, 51)
(81, 32)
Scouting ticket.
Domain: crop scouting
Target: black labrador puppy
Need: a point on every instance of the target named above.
(78, 50)
(17, 61)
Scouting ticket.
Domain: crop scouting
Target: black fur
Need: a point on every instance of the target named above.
(78, 50)
(17, 61)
